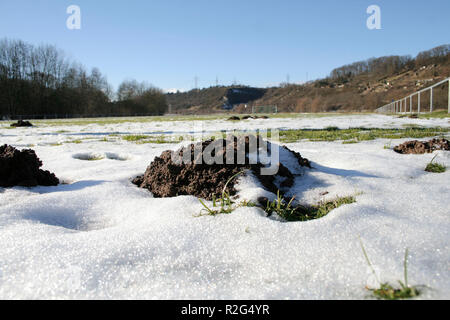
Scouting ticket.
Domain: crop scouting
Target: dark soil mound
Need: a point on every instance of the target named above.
(421, 147)
(21, 168)
(22, 123)
(247, 117)
(165, 178)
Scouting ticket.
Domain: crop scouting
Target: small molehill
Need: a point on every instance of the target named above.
(21, 168)
(166, 178)
(21, 123)
(247, 117)
(422, 147)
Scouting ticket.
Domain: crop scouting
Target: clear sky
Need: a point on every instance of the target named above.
(255, 42)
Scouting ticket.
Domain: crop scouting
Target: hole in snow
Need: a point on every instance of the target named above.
(88, 156)
(119, 157)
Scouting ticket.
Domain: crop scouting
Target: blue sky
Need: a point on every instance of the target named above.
(255, 42)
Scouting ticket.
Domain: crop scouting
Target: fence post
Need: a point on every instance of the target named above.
(431, 100)
(418, 103)
(410, 104)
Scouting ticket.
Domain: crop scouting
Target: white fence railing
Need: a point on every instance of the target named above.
(402, 105)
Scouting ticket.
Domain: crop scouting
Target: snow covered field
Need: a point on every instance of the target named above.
(100, 237)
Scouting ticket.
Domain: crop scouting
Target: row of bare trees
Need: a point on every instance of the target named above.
(40, 80)
(391, 64)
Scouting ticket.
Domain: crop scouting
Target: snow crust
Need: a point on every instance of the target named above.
(100, 237)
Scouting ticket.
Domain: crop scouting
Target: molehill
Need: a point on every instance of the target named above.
(166, 178)
(421, 147)
(21, 168)
(21, 123)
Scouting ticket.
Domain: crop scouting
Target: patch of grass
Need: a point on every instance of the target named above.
(248, 204)
(73, 141)
(349, 141)
(280, 207)
(223, 205)
(435, 167)
(387, 291)
(409, 125)
(160, 140)
(440, 114)
(388, 146)
(144, 139)
(305, 213)
(360, 134)
(134, 137)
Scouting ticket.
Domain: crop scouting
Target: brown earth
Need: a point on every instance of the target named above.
(165, 178)
(236, 118)
(22, 123)
(421, 147)
(21, 168)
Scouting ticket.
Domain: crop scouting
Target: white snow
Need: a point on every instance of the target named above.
(100, 237)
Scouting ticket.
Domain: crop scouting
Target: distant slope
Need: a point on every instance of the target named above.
(212, 99)
(361, 86)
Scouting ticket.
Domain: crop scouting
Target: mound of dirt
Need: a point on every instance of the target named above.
(247, 117)
(22, 123)
(21, 168)
(166, 178)
(421, 147)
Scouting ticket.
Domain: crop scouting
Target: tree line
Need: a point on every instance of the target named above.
(40, 80)
(392, 64)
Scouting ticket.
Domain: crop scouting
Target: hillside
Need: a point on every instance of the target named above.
(361, 86)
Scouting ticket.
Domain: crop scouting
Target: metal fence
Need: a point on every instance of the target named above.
(406, 105)
(264, 109)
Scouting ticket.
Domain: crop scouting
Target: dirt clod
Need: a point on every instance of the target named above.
(21, 168)
(22, 123)
(421, 147)
(166, 178)
(247, 117)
